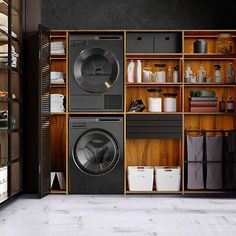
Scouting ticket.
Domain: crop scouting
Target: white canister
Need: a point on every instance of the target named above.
(170, 103)
(154, 100)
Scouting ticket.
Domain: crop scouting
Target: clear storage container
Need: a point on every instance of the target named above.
(154, 100)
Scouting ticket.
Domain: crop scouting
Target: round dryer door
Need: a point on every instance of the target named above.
(96, 70)
(96, 152)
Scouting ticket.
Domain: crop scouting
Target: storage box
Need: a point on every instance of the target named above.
(140, 178)
(140, 42)
(167, 178)
(170, 42)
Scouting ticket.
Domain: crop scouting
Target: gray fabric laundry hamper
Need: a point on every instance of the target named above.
(195, 145)
(214, 146)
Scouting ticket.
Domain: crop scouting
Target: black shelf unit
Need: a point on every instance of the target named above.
(11, 85)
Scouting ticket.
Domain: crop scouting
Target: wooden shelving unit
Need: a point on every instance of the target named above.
(155, 152)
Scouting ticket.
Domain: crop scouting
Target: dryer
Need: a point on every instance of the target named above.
(96, 72)
(96, 155)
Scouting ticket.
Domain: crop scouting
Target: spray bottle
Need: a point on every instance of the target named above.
(217, 73)
(176, 74)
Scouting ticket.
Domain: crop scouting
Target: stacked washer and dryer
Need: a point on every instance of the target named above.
(96, 86)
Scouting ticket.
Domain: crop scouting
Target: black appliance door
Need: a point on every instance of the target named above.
(96, 70)
(96, 152)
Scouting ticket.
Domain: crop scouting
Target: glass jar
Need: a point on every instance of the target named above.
(154, 100)
(160, 75)
(147, 74)
(170, 102)
(224, 44)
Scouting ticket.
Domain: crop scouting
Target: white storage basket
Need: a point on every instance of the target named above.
(140, 178)
(167, 178)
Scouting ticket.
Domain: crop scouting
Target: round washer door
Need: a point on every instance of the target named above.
(96, 152)
(96, 70)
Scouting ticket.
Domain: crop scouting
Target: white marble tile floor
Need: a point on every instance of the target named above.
(86, 215)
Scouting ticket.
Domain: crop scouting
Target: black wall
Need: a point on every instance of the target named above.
(139, 14)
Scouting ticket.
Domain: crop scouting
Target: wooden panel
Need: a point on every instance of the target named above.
(224, 91)
(58, 65)
(58, 143)
(133, 93)
(153, 152)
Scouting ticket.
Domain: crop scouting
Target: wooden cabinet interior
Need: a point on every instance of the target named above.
(155, 152)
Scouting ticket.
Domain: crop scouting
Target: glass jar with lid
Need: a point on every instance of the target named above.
(224, 44)
(154, 100)
(170, 102)
(160, 75)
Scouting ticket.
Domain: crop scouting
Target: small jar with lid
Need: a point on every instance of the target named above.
(147, 74)
(160, 74)
(154, 100)
(170, 102)
(224, 44)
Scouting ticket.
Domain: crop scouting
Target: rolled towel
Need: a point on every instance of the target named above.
(202, 93)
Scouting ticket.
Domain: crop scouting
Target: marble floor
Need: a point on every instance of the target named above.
(118, 215)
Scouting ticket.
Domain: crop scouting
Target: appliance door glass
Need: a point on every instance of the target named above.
(96, 152)
(96, 70)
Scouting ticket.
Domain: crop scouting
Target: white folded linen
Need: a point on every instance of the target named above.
(58, 81)
(5, 29)
(57, 95)
(58, 51)
(3, 19)
(57, 45)
(56, 75)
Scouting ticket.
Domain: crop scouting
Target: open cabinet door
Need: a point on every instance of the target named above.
(44, 111)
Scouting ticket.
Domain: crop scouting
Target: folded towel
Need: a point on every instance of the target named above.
(5, 29)
(202, 93)
(57, 45)
(57, 95)
(3, 19)
(58, 81)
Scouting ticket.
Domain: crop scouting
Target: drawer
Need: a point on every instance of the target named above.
(168, 42)
(140, 43)
(154, 126)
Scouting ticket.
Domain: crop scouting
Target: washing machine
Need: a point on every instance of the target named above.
(96, 155)
(96, 77)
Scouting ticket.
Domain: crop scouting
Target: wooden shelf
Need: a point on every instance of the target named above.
(212, 56)
(164, 56)
(58, 191)
(211, 113)
(58, 56)
(154, 84)
(153, 113)
(95, 113)
(208, 85)
(153, 192)
(58, 113)
(58, 85)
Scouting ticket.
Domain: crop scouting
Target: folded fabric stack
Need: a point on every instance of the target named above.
(4, 25)
(4, 94)
(57, 77)
(57, 48)
(4, 56)
(57, 103)
(203, 101)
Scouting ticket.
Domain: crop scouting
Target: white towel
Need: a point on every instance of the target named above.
(57, 95)
(58, 81)
(3, 19)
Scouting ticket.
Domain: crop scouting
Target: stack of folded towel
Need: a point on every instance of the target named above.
(57, 48)
(4, 24)
(4, 56)
(57, 77)
(57, 103)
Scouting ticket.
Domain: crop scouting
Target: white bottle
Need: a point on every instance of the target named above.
(176, 74)
(188, 74)
(131, 71)
(217, 74)
(201, 74)
(139, 71)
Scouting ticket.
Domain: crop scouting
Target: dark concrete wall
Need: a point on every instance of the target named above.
(138, 14)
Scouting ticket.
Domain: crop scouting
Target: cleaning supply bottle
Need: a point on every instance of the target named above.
(222, 104)
(169, 74)
(230, 74)
(131, 71)
(201, 74)
(230, 105)
(217, 73)
(176, 74)
(139, 71)
(188, 74)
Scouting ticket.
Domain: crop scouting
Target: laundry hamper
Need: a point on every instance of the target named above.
(167, 178)
(140, 178)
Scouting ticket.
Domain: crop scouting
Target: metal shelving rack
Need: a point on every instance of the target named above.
(11, 82)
